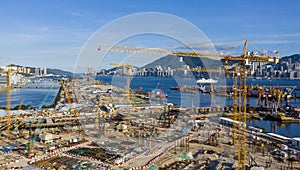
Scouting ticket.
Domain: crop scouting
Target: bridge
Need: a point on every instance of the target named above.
(36, 86)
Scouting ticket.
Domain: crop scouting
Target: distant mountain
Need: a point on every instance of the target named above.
(295, 58)
(167, 61)
(58, 72)
(192, 62)
(174, 62)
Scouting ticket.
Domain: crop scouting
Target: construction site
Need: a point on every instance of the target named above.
(95, 125)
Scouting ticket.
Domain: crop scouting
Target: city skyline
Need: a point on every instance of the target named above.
(49, 34)
(265, 70)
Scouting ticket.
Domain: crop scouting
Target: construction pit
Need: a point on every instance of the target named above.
(95, 152)
(64, 162)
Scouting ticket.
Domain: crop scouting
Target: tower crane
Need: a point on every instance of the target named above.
(69, 101)
(242, 99)
(241, 61)
(126, 68)
(8, 72)
(68, 98)
(176, 53)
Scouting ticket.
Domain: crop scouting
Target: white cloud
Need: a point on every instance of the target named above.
(270, 42)
(274, 35)
(297, 34)
(77, 14)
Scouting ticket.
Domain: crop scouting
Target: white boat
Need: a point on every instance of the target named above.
(202, 88)
(206, 81)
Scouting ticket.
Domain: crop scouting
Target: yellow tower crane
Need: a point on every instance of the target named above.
(241, 91)
(69, 101)
(240, 96)
(68, 98)
(126, 68)
(8, 102)
(8, 72)
(242, 88)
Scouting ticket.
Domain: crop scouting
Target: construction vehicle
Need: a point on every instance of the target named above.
(213, 139)
(252, 161)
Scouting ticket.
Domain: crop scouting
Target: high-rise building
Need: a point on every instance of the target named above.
(40, 71)
(15, 78)
(37, 71)
(45, 71)
(90, 71)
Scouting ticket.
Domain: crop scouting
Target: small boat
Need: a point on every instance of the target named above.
(206, 81)
(202, 88)
(175, 88)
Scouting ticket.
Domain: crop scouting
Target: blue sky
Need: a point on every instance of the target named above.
(51, 33)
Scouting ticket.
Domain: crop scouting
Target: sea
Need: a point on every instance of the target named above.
(163, 85)
(34, 97)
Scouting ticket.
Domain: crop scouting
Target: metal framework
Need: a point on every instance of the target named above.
(240, 92)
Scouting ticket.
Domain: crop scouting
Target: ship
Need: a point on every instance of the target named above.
(175, 88)
(276, 116)
(206, 81)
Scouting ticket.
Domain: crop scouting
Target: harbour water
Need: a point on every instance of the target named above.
(203, 99)
(285, 129)
(184, 99)
(35, 97)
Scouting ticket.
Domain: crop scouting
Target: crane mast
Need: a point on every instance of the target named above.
(8, 101)
(8, 96)
(126, 68)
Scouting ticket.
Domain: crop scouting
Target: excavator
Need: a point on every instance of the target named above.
(213, 139)
(252, 160)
